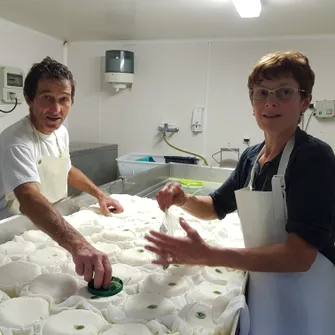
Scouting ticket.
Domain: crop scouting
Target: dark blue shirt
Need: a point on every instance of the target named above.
(310, 189)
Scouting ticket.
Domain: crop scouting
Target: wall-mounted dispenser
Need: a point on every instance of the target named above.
(119, 68)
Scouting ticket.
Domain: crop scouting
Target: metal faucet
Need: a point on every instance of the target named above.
(125, 182)
(166, 129)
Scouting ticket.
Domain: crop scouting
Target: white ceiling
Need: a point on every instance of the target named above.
(167, 19)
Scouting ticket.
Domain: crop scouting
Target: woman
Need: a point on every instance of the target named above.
(284, 191)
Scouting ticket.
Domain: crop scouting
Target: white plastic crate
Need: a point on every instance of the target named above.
(128, 166)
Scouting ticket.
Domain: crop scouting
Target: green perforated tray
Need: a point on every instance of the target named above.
(191, 183)
(115, 287)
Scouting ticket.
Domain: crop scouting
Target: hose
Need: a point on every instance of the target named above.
(186, 152)
(6, 112)
(309, 119)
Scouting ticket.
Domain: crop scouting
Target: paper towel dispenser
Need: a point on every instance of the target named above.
(119, 68)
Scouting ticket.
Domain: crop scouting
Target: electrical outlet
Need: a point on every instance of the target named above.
(197, 123)
(325, 109)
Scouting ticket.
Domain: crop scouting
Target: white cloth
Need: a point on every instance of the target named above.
(283, 303)
(226, 320)
(20, 150)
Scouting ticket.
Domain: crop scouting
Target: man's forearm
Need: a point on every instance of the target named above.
(201, 207)
(48, 219)
(81, 182)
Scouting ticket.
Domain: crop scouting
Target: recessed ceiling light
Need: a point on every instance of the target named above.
(248, 8)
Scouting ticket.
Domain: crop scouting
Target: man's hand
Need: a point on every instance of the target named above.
(106, 201)
(89, 261)
(81, 182)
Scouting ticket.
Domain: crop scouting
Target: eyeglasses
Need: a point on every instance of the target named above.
(259, 94)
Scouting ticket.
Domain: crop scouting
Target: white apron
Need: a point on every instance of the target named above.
(283, 303)
(53, 173)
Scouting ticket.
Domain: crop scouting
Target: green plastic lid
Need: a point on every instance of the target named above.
(191, 183)
(115, 287)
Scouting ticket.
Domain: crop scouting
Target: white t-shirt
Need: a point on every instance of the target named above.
(19, 154)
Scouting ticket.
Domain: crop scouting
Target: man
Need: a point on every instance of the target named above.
(35, 167)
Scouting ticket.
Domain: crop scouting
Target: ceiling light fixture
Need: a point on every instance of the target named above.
(248, 8)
